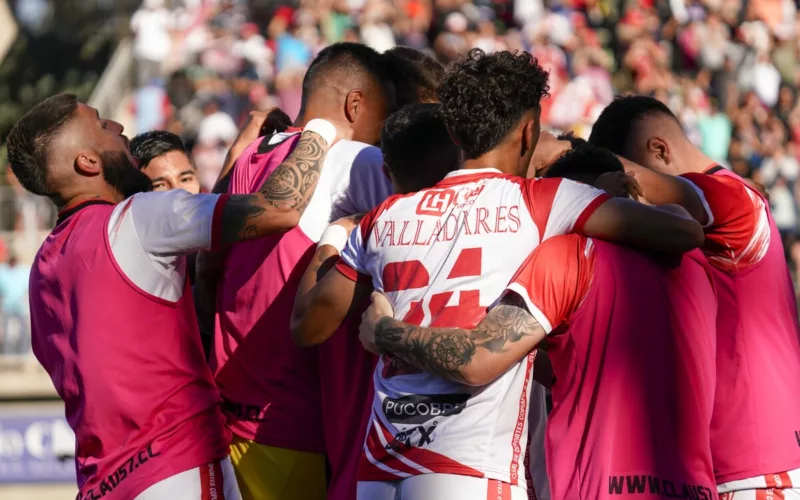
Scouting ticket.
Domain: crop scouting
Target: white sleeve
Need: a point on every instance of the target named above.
(353, 255)
(365, 186)
(168, 223)
(572, 205)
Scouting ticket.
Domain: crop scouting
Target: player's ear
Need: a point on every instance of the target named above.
(658, 148)
(353, 104)
(530, 136)
(88, 163)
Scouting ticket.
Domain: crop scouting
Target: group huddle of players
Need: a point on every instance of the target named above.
(393, 284)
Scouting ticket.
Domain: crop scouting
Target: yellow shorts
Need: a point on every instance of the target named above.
(268, 473)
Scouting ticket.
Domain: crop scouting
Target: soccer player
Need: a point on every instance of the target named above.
(442, 254)
(164, 159)
(754, 432)
(112, 319)
(627, 335)
(270, 387)
(417, 153)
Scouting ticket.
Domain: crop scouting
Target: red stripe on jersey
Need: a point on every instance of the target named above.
(211, 486)
(594, 205)
(430, 460)
(522, 416)
(769, 494)
(780, 480)
(350, 273)
(367, 471)
(539, 195)
(498, 490)
(379, 452)
(216, 221)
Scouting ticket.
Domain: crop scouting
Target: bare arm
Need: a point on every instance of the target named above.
(661, 189)
(628, 222)
(318, 312)
(472, 357)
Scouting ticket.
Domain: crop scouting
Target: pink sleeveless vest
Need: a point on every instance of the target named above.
(756, 425)
(129, 366)
(270, 387)
(634, 385)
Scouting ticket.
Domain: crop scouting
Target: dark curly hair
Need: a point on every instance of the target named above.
(585, 163)
(150, 145)
(485, 95)
(614, 126)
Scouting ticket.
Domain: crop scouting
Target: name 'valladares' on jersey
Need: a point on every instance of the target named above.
(443, 256)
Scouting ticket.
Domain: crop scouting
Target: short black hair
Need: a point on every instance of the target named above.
(150, 145)
(416, 75)
(485, 95)
(585, 163)
(417, 149)
(614, 126)
(347, 58)
(29, 141)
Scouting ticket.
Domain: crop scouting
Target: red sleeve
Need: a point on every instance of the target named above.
(738, 233)
(350, 273)
(555, 279)
(561, 206)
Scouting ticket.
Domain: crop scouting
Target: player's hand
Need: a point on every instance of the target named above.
(251, 129)
(620, 185)
(547, 151)
(378, 309)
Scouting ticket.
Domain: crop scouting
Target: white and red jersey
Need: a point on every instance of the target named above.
(442, 256)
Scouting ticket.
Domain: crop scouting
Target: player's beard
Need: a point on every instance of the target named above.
(122, 175)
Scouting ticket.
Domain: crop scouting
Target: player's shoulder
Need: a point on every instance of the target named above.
(564, 246)
(356, 154)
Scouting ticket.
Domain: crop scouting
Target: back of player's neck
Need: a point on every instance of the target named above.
(493, 159)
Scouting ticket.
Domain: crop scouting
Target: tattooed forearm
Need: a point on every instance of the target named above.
(292, 183)
(447, 352)
(280, 202)
(240, 216)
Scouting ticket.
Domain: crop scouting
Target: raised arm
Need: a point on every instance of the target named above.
(472, 357)
(281, 201)
(325, 295)
(662, 189)
(648, 227)
(258, 124)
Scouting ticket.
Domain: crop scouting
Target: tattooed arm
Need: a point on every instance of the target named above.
(283, 198)
(472, 357)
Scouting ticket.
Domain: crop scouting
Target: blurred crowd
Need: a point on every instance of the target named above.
(727, 68)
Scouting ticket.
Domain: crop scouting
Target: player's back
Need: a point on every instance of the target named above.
(756, 418)
(128, 364)
(442, 256)
(635, 373)
(270, 386)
